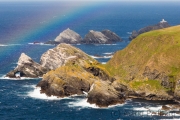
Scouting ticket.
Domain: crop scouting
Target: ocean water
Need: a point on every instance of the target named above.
(22, 23)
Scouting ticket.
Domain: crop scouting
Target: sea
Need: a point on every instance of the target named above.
(23, 23)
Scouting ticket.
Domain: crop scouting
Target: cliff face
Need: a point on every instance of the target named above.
(150, 64)
(160, 25)
(68, 36)
(77, 73)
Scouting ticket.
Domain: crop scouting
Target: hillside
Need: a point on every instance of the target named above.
(150, 63)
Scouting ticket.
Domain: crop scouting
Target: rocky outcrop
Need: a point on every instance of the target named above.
(103, 94)
(60, 55)
(113, 37)
(104, 37)
(160, 25)
(27, 68)
(95, 37)
(68, 36)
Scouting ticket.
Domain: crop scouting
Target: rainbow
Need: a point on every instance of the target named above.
(75, 16)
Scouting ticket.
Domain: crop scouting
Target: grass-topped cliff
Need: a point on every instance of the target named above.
(149, 68)
(150, 63)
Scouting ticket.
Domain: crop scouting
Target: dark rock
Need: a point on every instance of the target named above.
(95, 37)
(164, 107)
(113, 37)
(69, 86)
(99, 73)
(52, 42)
(103, 94)
(160, 25)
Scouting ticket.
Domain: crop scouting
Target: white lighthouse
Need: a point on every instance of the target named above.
(163, 21)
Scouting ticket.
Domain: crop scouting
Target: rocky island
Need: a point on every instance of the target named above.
(160, 25)
(148, 68)
(93, 37)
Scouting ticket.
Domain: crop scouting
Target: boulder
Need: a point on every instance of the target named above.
(68, 36)
(27, 68)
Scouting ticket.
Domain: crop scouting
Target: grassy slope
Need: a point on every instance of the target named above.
(159, 49)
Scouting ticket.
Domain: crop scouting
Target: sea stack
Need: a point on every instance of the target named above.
(27, 68)
(113, 37)
(95, 37)
(104, 37)
(68, 36)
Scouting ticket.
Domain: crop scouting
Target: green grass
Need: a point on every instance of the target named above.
(154, 84)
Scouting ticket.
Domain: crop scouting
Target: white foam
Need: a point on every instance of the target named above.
(103, 62)
(129, 33)
(82, 103)
(22, 78)
(109, 53)
(98, 57)
(2, 45)
(103, 44)
(39, 43)
(38, 95)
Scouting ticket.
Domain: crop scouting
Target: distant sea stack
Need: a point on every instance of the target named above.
(113, 37)
(162, 24)
(93, 37)
(104, 37)
(68, 36)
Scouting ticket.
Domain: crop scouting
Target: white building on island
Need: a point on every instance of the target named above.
(163, 21)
